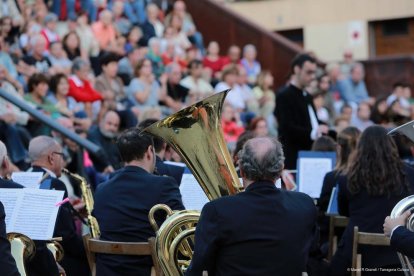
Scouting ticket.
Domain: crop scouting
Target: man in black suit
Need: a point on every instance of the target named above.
(123, 202)
(47, 157)
(162, 168)
(402, 239)
(295, 112)
(262, 231)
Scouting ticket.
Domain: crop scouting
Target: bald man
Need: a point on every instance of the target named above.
(104, 136)
(47, 157)
(262, 231)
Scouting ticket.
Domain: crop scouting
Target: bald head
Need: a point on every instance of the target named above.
(261, 159)
(41, 146)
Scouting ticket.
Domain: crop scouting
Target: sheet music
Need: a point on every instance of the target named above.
(9, 198)
(192, 194)
(33, 212)
(178, 164)
(28, 179)
(333, 203)
(311, 174)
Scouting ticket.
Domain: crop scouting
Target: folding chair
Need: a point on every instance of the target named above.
(335, 222)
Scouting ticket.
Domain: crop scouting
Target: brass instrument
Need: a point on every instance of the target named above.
(402, 206)
(196, 134)
(406, 203)
(87, 197)
(22, 250)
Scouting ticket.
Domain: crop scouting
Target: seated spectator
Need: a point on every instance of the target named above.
(133, 39)
(38, 86)
(176, 93)
(250, 63)
(80, 87)
(341, 123)
(352, 89)
(88, 46)
(170, 55)
(177, 34)
(108, 160)
(154, 55)
(264, 95)
(232, 126)
(105, 32)
(213, 60)
(198, 87)
(35, 62)
(379, 111)
(228, 81)
(58, 58)
(135, 11)
(321, 111)
(324, 143)
(122, 24)
(144, 91)
(258, 126)
(127, 64)
(152, 27)
(71, 45)
(362, 119)
(49, 30)
(233, 56)
(67, 106)
(6, 61)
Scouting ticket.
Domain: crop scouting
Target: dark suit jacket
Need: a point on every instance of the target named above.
(262, 231)
(368, 213)
(7, 263)
(402, 240)
(74, 261)
(294, 122)
(175, 172)
(43, 263)
(121, 207)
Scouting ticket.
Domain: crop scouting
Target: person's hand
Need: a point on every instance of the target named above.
(9, 118)
(163, 79)
(108, 169)
(322, 129)
(62, 272)
(391, 223)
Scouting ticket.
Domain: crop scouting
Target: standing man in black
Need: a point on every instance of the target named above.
(122, 204)
(295, 112)
(262, 231)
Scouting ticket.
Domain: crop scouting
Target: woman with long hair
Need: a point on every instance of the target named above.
(376, 179)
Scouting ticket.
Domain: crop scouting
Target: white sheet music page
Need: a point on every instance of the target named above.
(28, 179)
(192, 194)
(10, 198)
(311, 174)
(34, 211)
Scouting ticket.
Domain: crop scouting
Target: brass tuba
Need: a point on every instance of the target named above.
(406, 203)
(196, 135)
(22, 249)
(88, 199)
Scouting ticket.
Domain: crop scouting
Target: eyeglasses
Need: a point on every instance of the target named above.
(59, 153)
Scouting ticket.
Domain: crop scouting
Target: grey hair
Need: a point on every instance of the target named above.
(262, 159)
(249, 47)
(153, 41)
(78, 63)
(41, 146)
(356, 65)
(35, 39)
(3, 152)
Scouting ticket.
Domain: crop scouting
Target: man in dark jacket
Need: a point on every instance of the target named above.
(262, 231)
(123, 202)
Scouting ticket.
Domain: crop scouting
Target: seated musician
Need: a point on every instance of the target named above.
(402, 239)
(47, 157)
(262, 231)
(43, 263)
(123, 202)
(7, 263)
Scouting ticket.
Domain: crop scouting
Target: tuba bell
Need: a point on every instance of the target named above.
(196, 135)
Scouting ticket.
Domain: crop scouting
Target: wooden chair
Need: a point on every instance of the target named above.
(94, 246)
(368, 239)
(335, 222)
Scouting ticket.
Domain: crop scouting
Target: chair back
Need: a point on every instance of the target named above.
(97, 246)
(335, 222)
(367, 239)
